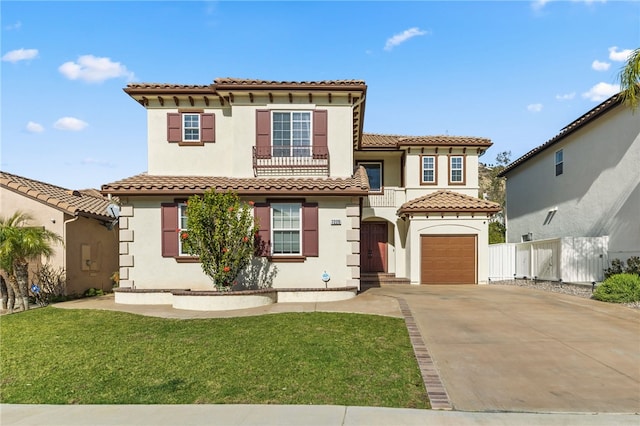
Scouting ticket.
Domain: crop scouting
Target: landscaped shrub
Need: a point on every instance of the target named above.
(90, 292)
(220, 231)
(618, 267)
(49, 285)
(633, 265)
(619, 288)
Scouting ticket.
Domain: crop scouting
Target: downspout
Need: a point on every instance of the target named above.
(64, 242)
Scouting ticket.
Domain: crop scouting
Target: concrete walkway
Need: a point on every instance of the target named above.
(283, 415)
(506, 355)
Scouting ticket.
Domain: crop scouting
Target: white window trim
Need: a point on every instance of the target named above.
(434, 169)
(557, 163)
(273, 229)
(451, 169)
(181, 206)
(184, 127)
(291, 146)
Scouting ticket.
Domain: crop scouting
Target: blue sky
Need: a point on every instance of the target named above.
(512, 71)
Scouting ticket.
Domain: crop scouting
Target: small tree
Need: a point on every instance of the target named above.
(20, 243)
(220, 230)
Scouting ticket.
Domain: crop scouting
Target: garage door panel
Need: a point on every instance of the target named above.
(448, 259)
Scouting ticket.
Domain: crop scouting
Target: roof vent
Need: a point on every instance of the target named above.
(74, 192)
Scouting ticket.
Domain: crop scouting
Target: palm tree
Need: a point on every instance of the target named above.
(630, 80)
(18, 244)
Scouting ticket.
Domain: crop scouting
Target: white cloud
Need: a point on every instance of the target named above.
(600, 66)
(33, 127)
(20, 55)
(619, 56)
(70, 123)
(534, 107)
(12, 27)
(403, 36)
(601, 91)
(566, 96)
(94, 69)
(539, 4)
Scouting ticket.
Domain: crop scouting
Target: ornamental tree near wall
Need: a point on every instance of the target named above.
(220, 230)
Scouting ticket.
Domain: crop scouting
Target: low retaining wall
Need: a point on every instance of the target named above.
(224, 301)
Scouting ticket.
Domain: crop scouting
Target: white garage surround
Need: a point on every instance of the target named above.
(224, 301)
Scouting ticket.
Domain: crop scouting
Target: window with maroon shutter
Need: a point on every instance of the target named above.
(263, 133)
(262, 215)
(206, 130)
(310, 229)
(208, 127)
(320, 148)
(169, 224)
(174, 127)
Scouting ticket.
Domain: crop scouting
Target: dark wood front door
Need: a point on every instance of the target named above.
(373, 247)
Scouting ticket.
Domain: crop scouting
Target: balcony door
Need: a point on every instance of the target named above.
(373, 246)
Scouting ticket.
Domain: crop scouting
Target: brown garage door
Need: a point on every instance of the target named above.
(448, 259)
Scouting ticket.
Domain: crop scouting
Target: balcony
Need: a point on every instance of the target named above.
(390, 197)
(290, 161)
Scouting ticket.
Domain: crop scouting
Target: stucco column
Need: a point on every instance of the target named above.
(125, 239)
(353, 239)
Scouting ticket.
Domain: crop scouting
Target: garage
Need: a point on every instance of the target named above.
(448, 259)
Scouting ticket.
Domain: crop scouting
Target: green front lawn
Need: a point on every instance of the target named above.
(59, 356)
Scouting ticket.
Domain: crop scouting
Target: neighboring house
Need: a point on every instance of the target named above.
(89, 253)
(584, 182)
(328, 198)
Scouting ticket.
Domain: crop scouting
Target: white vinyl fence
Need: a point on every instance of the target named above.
(570, 259)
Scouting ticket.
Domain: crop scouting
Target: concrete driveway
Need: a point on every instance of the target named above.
(504, 348)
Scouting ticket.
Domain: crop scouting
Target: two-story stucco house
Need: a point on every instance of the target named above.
(327, 197)
(584, 182)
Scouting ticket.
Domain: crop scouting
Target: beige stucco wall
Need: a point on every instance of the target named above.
(413, 169)
(447, 225)
(231, 154)
(142, 265)
(391, 165)
(598, 193)
(75, 232)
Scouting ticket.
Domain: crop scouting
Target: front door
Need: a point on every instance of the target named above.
(373, 246)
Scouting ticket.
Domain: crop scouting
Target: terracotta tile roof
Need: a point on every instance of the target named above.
(373, 141)
(81, 203)
(144, 184)
(251, 83)
(567, 130)
(448, 201)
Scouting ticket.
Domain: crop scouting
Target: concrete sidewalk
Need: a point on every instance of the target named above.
(282, 415)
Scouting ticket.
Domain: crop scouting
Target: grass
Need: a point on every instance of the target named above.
(59, 356)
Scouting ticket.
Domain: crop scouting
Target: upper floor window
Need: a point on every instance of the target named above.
(191, 127)
(456, 170)
(374, 173)
(428, 166)
(285, 228)
(291, 134)
(559, 162)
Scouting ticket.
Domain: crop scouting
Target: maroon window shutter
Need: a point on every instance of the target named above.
(208, 126)
(169, 225)
(320, 149)
(263, 133)
(310, 229)
(174, 127)
(262, 215)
